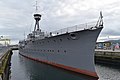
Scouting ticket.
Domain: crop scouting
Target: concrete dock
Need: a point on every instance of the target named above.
(5, 58)
(107, 56)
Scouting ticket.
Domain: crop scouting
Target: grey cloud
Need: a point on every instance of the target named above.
(110, 32)
(16, 16)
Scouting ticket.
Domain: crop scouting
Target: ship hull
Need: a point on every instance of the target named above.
(71, 51)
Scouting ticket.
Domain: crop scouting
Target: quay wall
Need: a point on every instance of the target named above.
(107, 57)
(5, 62)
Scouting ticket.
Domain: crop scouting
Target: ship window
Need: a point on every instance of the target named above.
(65, 51)
(54, 40)
(48, 50)
(58, 51)
(52, 50)
(44, 50)
(60, 39)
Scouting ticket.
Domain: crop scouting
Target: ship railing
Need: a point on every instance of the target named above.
(90, 25)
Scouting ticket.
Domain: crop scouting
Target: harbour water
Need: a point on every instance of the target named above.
(25, 69)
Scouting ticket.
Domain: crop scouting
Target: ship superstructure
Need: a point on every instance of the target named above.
(70, 48)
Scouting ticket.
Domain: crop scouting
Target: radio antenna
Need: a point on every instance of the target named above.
(36, 6)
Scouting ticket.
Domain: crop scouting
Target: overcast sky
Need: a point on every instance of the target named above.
(16, 16)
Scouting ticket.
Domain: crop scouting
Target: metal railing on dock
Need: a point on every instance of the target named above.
(107, 56)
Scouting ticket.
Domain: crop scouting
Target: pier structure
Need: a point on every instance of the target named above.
(107, 56)
(5, 58)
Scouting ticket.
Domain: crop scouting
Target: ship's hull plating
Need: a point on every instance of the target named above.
(75, 53)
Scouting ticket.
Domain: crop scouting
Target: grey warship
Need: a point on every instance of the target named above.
(70, 48)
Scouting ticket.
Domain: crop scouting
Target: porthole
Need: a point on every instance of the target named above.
(60, 39)
(65, 51)
(52, 50)
(54, 40)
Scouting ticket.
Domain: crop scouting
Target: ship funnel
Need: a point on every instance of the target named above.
(37, 17)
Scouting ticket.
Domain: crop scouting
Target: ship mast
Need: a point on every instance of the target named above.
(100, 20)
(37, 18)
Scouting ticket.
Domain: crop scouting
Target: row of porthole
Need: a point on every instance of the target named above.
(53, 40)
(47, 50)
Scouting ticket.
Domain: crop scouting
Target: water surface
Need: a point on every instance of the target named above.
(26, 69)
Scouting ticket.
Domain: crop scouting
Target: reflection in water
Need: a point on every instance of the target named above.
(26, 69)
(17, 68)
